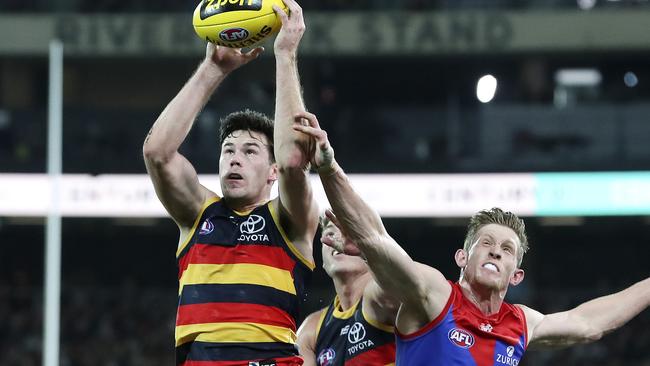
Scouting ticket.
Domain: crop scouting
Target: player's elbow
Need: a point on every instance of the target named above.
(155, 155)
(292, 155)
(291, 161)
(590, 334)
(594, 336)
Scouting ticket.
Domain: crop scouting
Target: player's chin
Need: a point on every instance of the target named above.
(234, 192)
(491, 282)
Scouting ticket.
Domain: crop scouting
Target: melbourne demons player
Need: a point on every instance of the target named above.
(466, 322)
(242, 258)
(356, 329)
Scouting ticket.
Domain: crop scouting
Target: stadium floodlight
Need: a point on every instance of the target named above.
(486, 88)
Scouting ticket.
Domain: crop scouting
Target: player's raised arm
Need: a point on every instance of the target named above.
(299, 212)
(393, 269)
(589, 321)
(174, 178)
(379, 304)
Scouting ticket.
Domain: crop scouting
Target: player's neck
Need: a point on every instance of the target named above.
(244, 206)
(349, 287)
(487, 300)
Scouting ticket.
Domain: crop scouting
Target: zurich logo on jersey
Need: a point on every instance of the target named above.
(326, 357)
(509, 359)
(461, 337)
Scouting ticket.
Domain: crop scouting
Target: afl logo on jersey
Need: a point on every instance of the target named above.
(207, 227)
(461, 338)
(326, 357)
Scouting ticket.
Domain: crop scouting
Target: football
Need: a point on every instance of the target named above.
(237, 23)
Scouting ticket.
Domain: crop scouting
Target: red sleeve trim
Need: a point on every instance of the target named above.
(523, 319)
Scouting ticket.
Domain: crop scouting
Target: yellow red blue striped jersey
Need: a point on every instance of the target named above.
(350, 338)
(240, 285)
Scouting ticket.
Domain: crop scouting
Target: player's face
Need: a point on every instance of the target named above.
(245, 167)
(335, 262)
(492, 259)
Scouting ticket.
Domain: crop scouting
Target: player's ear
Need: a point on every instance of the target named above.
(273, 173)
(517, 277)
(461, 258)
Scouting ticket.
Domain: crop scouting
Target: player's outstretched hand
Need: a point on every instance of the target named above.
(342, 244)
(293, 27)
(229, 59)
(322, 154)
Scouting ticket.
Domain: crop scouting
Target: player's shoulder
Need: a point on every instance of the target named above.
(312, 322)
(437, 283)
(533, 317)
(316, 314)
(209, 198)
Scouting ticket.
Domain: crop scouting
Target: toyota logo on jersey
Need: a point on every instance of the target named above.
(356, 333)
(251, 230)
(253, 224)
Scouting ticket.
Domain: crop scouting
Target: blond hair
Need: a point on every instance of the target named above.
(499, 217)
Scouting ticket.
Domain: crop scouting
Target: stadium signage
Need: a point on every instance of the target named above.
(342, 33)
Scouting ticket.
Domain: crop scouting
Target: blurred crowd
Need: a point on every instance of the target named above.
(109, 326)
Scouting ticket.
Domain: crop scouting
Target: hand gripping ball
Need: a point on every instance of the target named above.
(237, 23)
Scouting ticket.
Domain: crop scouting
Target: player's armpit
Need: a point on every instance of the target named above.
(379, 305)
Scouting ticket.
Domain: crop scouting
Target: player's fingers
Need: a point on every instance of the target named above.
(307, 130)
(294, 8)
(310, 117)
(330, 215)
(254, 53)
(284, 18)
(318, 135)
(330, 242)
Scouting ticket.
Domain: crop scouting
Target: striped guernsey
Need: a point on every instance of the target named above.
(240, 285)
(351, 338)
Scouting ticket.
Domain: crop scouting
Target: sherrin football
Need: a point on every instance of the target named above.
(237, 23)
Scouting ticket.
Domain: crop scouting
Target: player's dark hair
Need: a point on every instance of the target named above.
(251, 121)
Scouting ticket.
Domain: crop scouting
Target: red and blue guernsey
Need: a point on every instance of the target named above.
(463, 336)
(241, 285)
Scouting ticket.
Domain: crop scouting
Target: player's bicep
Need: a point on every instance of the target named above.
(178, 188)
(432, 290)
(428, 290)
(299, 209)
(554, 330)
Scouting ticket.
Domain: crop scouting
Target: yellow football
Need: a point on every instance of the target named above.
(237, 23)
